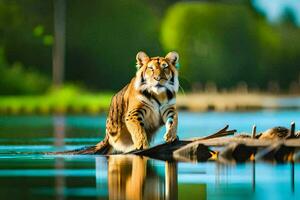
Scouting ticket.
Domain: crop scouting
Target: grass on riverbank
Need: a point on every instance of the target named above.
(71, 100)
(66, 100)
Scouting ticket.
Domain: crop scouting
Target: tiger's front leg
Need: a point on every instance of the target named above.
(171, 121)
(135, 124)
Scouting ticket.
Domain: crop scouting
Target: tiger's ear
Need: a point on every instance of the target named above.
(173, 58)
(141, 59)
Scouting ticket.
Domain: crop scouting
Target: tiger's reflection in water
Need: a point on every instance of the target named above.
(129, 177)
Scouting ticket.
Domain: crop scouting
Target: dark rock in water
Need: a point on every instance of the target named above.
(280, 154)
(238, 152)
(241, 152)
(203, 153)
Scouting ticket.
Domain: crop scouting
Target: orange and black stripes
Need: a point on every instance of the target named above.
(169, 113)
(146, 103)
(116, 113)
(137, 115)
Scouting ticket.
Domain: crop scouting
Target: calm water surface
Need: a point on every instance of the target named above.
(34, 176)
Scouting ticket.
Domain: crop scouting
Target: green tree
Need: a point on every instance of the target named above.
(227, 44)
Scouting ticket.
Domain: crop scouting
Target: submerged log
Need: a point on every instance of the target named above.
(241, 149)
(278, 143)
(165, 151)
(279, 152)
(238, 152)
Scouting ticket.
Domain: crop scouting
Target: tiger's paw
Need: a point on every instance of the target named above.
(170, 137)
(142, 145)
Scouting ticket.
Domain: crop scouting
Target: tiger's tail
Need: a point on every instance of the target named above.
(101, 148)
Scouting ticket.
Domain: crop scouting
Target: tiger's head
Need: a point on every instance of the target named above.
(157, 74)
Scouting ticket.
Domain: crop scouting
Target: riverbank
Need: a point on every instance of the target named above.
(70, 102)
(236, 101)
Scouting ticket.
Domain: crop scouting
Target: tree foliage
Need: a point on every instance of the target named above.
(217, 42)
(15, 80)
(227, 44)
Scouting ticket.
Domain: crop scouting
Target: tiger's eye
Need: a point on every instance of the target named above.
(164, 65)
(150, 67)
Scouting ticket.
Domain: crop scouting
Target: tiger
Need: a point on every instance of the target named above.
(144, 105)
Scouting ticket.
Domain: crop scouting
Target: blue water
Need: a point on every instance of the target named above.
(35, 176)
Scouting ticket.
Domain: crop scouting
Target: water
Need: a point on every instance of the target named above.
(35, 176)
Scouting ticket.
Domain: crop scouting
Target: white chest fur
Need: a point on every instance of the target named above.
(153, 118)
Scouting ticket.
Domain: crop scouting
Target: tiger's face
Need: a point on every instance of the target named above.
(157, 74)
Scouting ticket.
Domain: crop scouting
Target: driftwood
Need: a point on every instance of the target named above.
(241, 149)
(283, 147)
(228, 149)
(162, 151)
(165, 151)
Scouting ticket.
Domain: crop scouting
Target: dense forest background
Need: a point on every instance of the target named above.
(222, 44)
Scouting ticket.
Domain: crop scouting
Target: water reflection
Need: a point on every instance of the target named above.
(133, 177)
(171, 180)
(293, 176)
(59, 130)
(253, 175)
(59, 135)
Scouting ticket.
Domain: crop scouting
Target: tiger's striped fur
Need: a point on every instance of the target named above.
(144, 105)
